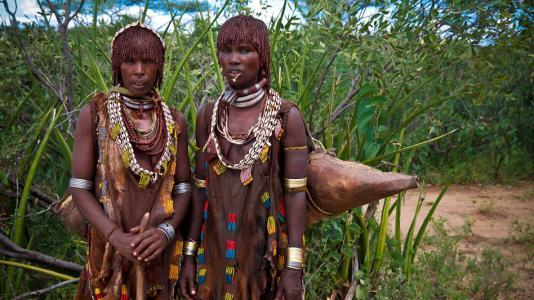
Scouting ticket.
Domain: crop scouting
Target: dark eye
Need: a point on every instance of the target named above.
(244, 50)
(129, 61)
(149, 62)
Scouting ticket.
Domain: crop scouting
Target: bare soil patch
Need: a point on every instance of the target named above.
(485, 216)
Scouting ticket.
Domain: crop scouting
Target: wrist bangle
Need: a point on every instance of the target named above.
(295, 258)
(108, 234)
(181, 188)
(190, 248)
(167, 229)
(200, 183)
(294, 265)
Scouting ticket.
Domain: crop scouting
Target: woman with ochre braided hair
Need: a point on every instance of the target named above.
(130, 158)
(250, 177)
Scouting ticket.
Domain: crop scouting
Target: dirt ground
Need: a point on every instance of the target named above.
(491, 211)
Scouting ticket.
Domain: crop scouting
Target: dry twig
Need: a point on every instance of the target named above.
(345, 104)
(13, 250)
(64, 93)
(46, 290)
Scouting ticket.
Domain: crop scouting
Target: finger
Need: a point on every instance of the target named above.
(191, 286)
(155, 253)
(278, 295)
(139, 238)
(292, 294)
(155, 242)
(135, 229)
(142, 245)
(150, 235)
(184, 289)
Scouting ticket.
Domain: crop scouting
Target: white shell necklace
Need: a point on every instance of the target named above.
(262, 131)
(119, 133)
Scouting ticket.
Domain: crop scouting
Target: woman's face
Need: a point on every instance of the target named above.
(240, 64)
(139, 76)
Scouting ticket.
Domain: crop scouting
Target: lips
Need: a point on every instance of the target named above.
(138, 84)
(234, 73)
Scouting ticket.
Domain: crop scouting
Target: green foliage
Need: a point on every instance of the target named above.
(524, 235)
(437, 88)
(443, 272)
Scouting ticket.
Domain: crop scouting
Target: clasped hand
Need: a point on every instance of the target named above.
(140, 247)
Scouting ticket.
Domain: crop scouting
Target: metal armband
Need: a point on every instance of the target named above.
(81, 183)
(295, 185)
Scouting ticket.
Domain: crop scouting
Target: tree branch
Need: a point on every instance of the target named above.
(11, 195)
(46, 290)
(36, 192)
(345, 104)
(36, 71)
(63, 24)
(15, 251)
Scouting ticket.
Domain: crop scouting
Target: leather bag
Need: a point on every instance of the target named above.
(335, 186)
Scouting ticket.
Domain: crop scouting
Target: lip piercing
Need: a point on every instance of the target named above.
(235, 78)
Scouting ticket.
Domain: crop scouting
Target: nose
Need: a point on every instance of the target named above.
(234, 58)
(139, 68)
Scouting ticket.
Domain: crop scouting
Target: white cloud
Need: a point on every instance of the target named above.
(28, 10)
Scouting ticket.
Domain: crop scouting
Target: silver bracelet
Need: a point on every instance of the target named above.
(167, 229)
(181, 188)
(294, 265)
(81, 183)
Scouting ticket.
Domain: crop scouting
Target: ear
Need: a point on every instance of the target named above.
(218, 57)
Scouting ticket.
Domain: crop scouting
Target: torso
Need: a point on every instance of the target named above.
(257, 247)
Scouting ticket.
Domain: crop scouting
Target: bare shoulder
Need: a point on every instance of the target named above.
(85, 121)
(295, 128)
(202, 111)
(179, 118)
(202, 117)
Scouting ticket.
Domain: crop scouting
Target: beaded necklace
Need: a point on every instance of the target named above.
(151, 141)
(122, 136)
(261, 131)
(240, 138)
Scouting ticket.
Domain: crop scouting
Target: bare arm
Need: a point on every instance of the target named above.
(199, 194)
(84, 167)
(295, 167)
(187, 277)
(183, 174)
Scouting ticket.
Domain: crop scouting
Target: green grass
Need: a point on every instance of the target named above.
(443, 272)
(446, 109)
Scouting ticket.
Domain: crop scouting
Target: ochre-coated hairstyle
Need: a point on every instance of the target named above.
(251, 31)
(136, 42)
